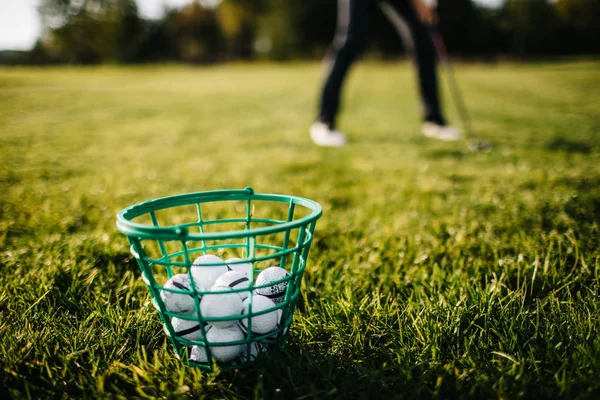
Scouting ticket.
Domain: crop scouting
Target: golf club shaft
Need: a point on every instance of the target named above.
(454, 89)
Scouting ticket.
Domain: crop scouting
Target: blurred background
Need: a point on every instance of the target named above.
(40, 32)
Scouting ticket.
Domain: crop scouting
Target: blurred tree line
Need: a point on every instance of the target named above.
(96, 31)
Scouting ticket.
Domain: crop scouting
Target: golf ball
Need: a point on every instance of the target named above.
(219, 305)
(179, 302)
(274, 292)
(206, 269)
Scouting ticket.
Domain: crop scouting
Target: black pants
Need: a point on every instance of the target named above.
(354, 19)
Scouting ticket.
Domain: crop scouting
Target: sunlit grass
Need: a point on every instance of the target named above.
(435, 272)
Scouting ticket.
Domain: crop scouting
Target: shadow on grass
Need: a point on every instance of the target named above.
(560, 143)
(378, 139)
(122, 261)
(316, 371)
(445, 153)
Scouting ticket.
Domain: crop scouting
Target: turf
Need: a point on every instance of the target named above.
(435, 272)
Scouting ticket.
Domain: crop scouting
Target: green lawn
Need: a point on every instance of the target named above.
(435, 272)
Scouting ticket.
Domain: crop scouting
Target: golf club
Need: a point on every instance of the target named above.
(440, 47)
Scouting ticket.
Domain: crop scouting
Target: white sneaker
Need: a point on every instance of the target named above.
(446, 133)
(321, 135)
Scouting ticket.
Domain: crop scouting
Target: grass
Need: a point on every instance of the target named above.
(435, 272)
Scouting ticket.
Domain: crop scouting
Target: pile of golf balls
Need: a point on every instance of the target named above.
(230, 312)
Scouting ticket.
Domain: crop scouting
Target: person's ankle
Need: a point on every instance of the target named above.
(438, 120)
(327, 123)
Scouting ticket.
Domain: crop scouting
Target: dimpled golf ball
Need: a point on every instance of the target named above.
(186, 329)
(198, 355)
(274, 292)
(219, 305)
(206, 269)
(263, 323)
(235, 280)
(273, 339)
(245, 268)
(182, 303)
(223, 335)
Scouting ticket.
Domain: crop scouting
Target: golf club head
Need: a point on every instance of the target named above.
(477, 146)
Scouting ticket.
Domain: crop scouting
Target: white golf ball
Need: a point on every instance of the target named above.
(206, 269)
(263, 323)
(219, 305)
(186, 329)
(235, 280)
(274, 292)
(273, 339)
(245, 268)
(222, 335)
(198, 354)
(182, 303)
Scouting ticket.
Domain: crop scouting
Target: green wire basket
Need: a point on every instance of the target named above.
(264, 230)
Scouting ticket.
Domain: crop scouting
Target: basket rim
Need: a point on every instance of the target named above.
(177, 232)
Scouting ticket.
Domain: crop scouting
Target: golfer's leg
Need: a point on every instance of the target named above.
(425, 58)
(353, 22)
